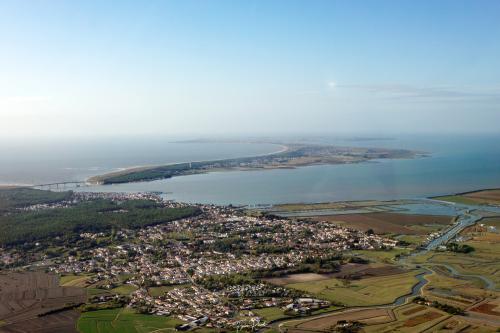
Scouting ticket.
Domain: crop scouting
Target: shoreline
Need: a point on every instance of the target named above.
(290, 156)
(94, 180)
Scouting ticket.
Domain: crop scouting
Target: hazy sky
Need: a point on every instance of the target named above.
(199, 67)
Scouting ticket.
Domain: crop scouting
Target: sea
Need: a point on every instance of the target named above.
(453, 163)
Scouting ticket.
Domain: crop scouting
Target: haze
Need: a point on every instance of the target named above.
(94, 68)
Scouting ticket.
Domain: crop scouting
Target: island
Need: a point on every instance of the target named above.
(292, 156)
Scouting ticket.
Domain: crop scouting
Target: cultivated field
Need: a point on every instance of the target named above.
(159, 291)
(60, 322)
(270, 314)
(474, 198)
(298, 278)
(324, 323)
(410, 318)
(124, 289)
(367, 291)
(74, 281)
(26, 297)
(383, 223)
(124, 321)
(385, 256)
(483, 261)
(371, 204)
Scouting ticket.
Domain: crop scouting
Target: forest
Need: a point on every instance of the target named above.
(89, 216)
(16, 197)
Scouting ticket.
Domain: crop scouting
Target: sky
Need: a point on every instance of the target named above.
(97, 68)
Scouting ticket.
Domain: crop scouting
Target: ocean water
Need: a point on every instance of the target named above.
(455, 164)
(46, 161)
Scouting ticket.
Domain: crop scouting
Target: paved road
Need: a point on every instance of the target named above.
(465, 220)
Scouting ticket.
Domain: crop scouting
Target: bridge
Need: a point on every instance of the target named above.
(59, 185)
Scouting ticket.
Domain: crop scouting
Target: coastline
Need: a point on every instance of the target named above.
(290, 156)
(95, 180)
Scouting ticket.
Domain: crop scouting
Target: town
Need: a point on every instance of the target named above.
(208, 267)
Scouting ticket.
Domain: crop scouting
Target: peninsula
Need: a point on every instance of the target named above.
(295, 155)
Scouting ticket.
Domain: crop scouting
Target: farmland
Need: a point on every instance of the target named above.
(30, 297)
(326, 273)
(160, 291)
(74, 280)
(124, 289)
(410, 318)
(350, 270)
(363, 292)
(323, 323)
(271, 313)
(298, 278)
(483, 197)
(483, 261)
(60, 322)
(383, 223)
(123, 320)
(406, 318)
(386, 256)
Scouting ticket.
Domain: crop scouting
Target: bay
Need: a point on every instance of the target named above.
(455, 164)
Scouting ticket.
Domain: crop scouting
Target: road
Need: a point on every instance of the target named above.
(463, 221)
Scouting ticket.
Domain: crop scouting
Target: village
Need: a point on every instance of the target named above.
(188, 256)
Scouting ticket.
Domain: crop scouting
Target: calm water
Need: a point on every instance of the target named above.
(458, 163)
(56, 161)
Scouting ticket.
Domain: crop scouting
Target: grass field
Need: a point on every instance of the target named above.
(386, 256)
(324, 323)
(457, 199)
(125, 289)
(460, 292)
(474, 198)
(410, 318)
(368, 291)
(492, 221)
(73, 280)
(124, 321)
(96, 291)
(412, 239)
(484, 260)
(159, 291)
(383, 222)
(269, 314)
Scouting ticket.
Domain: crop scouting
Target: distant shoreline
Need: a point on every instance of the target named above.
(289, 156)
(94, 180)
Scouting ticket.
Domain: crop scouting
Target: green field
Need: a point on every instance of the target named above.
(387, 256)
(405, 313)
(369, 291)
(457, 199)
(412, 239)
(73, 280)
(485, 260)
(269, 314)
(124, 321)
(96, 291)
(160, 291)
(125, 289)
